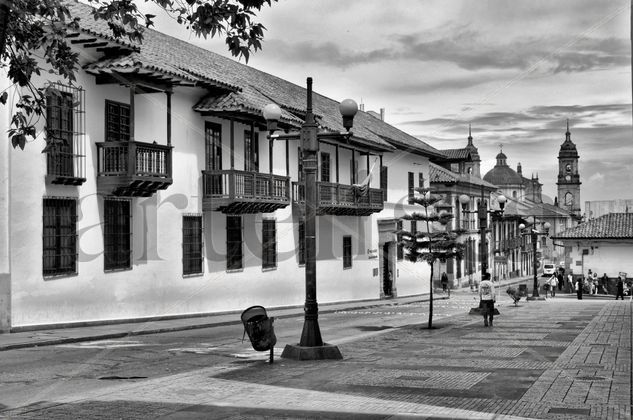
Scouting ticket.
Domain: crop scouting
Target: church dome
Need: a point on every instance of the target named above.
(502, 174)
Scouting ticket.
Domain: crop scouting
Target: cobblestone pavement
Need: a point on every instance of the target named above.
(554, 359)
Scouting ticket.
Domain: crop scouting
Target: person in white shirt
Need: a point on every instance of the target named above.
(487, 299)
(553, 284)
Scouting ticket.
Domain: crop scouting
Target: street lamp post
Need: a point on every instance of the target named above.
(482, 214)
(311, 345)
(534, 234)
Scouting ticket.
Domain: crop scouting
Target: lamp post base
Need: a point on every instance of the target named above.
(535, 298)
(324, 352)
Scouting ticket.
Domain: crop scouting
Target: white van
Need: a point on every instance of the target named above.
(549, 269)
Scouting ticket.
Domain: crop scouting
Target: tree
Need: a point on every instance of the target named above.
(433, 244)
(35, 28)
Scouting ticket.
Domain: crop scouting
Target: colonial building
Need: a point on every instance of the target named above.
(602, 245)
(167, 198)
(512, 247)
(460, 176)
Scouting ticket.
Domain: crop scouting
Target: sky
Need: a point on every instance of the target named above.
(515, 70)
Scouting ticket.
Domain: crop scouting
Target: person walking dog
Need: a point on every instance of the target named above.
(487, 299)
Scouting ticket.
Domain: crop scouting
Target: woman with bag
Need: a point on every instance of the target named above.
(487, 300)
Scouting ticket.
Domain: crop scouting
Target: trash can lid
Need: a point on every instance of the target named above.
(252, 312)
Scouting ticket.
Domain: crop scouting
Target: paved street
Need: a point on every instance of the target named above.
(554, 359)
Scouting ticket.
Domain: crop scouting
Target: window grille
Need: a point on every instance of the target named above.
(117, 121)
(384, 176)
(65, 132)
(251, 151)
(325, 167)
(411, 188)
(117, 234)
(213, 152)
(269, 243)
(59, 237)
(192, 244)
(233, 242)
(302, 242)
(347, 251)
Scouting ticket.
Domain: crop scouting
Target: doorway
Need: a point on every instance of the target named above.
(387, 270)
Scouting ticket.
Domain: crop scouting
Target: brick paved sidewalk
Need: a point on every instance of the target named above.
(553, 359)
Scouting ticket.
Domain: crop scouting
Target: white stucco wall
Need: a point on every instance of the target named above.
(609, 257)
(155, 285)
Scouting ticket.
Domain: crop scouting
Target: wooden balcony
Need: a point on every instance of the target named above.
(340, 199)
(133, 169)
(239, 192)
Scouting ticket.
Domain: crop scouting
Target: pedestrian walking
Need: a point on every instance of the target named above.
(561, 280)
(570, 283)
(553, 285)
(471, 282)
(487, 300)
(619, 289)
(444, 281)
(604, 280)
(579, 287)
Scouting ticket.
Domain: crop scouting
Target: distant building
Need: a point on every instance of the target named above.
(602, 245)
(595, 209)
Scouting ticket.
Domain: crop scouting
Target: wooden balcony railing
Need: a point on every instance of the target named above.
(237, 192)
(341, 199)
(133, 169)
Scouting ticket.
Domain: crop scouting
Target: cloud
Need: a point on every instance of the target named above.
(597, 177)
(469, 50)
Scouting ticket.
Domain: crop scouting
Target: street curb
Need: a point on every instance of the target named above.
(160, 330)
(106, 336)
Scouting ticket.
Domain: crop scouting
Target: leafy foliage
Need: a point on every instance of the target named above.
(433, 244)
(39, 28)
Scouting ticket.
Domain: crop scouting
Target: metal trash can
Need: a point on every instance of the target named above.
(259, 328)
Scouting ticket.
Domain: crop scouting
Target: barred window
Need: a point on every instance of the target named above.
(117, 234)
(59, 254)
(65, 121)
(117, 121)
(301, 252)
(384, 176)
(269, 243)
(233, 242)
(251, 151)
(347, 251)
(325, 167)
(192, 244)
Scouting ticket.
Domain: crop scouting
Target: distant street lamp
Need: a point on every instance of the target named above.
(482, 214)
(534, 234)
(311, 346)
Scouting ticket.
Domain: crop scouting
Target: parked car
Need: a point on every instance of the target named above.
(549, 269)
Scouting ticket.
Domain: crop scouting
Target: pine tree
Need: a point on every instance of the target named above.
(437, 243)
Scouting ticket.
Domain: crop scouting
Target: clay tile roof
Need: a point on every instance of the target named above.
(609, 226)
(245, 89)
(456, 154)
(445, 176)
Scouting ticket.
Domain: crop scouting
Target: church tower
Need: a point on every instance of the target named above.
(568, 177)
(473, 167)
